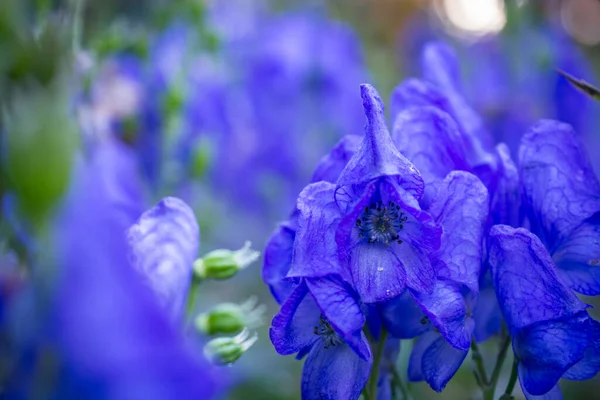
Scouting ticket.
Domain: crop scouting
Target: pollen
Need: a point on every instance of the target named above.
(381, 223)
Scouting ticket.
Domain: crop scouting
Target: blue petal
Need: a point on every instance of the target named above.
(430, 139)
(164, 244)
(440, 66)
(334, 373)
(505, 190)
(590, 365)
(434, 360)
(526, 281)
(461, 208)
(447, 310)
(440, 363)
(315, 250)
(415, 363)
(377, 155)
(559, 185)
(546, 350)
(278, 260)
(578, 257)
(418, 93)
(292, 328)
(487, 315)
(340, 306)
(403, 317)
(553, 394)
(332, 164)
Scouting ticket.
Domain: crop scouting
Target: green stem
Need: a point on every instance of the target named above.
(499, 362)
(191, 298)
(374, 378)
(397, 382)
(480, 373)
(513, 379)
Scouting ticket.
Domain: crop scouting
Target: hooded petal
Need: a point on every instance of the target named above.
(578, 257)
(547, 349)
(461, 208)
(377, 155)
(315, 249)
(336, 372)
(430, 139)
(339, 305)
(559, 185)
(278, 260)
(332, 164)
(164, 244)
(526, 281)
(418, 93)
(292, 328)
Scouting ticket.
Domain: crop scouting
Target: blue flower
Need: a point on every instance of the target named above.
(309, 322)
(553, 335)
(561, 195)
(164, 244)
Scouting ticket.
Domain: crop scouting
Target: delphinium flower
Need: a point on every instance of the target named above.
(369, 231)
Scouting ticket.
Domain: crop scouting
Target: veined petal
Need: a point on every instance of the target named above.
(315, 249)
(377, 155)
(278, 260)
(526, 281)
(415, 92)
(446, 308)
(461, 208)
(164, 244)
(415, 363)
(332, 164)
(339, 305)
(546, 350)
(578, 257)
(430, 139)
(559, 185)
(292, 328)
(333, 373)
(589, 366)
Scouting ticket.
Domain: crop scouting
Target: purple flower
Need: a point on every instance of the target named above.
(164, 244)
(561, 196)
(339, 358)
(553, 335)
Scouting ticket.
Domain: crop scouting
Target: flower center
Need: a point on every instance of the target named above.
(379, 223)
(324, 329)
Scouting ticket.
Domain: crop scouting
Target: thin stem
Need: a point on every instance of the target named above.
(191, 298)
(479, 367)
(397, 382)
(499, 362)
(513, 379)
(374, 378)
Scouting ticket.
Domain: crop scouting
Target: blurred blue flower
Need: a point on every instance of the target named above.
(553, 335)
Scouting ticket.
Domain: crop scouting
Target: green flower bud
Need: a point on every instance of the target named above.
(201, 157)
(231, 317)
(223, 264)
(227, 350)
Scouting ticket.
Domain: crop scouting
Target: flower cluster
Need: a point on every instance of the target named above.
(433, 232)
